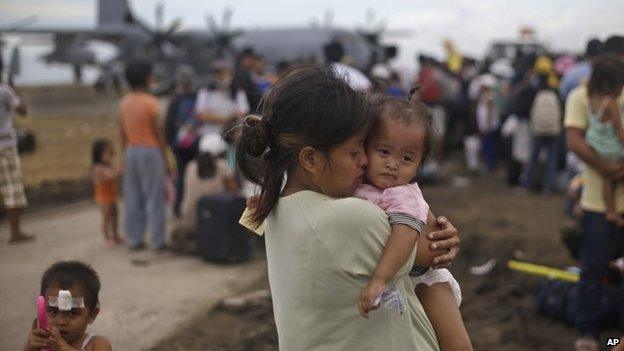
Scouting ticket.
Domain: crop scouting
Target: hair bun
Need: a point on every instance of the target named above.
(255, 127)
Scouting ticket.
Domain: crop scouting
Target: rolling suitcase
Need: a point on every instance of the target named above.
(219, 236)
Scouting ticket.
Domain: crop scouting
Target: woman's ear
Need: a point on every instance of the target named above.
(309, 159)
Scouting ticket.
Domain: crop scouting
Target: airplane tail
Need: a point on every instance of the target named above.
(113, 12)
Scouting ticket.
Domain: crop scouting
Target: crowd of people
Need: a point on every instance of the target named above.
(539, 115)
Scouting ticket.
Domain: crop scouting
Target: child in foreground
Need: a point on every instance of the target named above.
(398, 145)
(71, 291)
(105, 184)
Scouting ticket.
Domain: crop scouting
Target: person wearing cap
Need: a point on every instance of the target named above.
(581, 71)
(181, 127)
(221, 100)
(208, 174)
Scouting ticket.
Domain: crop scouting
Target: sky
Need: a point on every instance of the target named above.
(471, 24)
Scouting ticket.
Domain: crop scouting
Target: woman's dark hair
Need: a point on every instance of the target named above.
(408, 112)
(206, 165)
(308, 106)
(607, 76)
(67, 274)
(137, 73)
(97, 149)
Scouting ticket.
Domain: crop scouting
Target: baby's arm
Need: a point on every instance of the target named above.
(397, 251)
(407, 213)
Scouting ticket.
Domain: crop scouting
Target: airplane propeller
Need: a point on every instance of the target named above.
(223, 34)
(159, 37)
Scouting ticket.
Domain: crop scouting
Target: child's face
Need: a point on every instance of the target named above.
(394, 153)
(107, 154)
(71, 324)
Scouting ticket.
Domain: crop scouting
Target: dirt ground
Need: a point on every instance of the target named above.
(498, 308)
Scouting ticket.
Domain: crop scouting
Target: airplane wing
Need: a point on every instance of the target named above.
(104, 34)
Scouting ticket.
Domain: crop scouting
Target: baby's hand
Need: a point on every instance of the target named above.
(37, 338)
(57, 342)
(369, 294)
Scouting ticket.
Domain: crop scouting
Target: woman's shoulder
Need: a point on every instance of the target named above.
(349, 214)
(323, 202)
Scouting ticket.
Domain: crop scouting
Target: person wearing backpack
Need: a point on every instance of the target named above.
(546, 126)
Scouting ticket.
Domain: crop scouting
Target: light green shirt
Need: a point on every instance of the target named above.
(321, 252)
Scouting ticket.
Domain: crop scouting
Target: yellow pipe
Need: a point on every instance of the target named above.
(543, 271)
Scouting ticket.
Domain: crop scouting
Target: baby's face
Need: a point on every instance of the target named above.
(71, 324)
(394, 153)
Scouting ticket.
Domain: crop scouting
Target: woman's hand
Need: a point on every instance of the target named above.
(445, 238)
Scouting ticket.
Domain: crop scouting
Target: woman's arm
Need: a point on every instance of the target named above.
(364, 232)
(439, 244)
(575, 138)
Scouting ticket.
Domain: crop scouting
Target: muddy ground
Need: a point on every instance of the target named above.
(498, 308)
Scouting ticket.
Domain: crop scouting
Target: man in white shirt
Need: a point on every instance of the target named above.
(354, 77)
(11, 184)
(221, 101)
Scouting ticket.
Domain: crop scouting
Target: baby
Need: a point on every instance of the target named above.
(397, 147)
